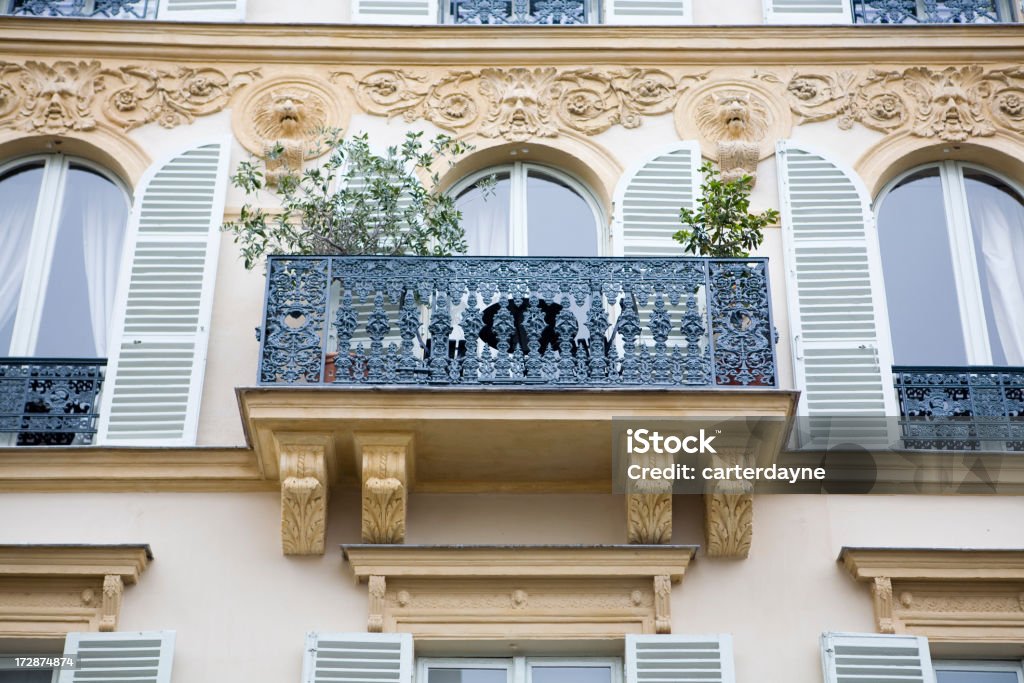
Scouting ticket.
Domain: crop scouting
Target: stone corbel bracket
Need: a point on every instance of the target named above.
(649, 503)
(729, 509)
(384, 462)
(306, 466)
(499, 592)
(946, 595)
(57, 589)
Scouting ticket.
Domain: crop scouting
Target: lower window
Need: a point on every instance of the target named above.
(977, 672)
(522, 670)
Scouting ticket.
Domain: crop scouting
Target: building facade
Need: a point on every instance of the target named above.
(342, 499)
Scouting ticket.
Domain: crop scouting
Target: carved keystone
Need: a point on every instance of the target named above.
(384, 461)
(304, 481)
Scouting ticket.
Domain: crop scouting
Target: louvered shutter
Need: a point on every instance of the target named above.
(201, 10)
(662, 658)
(116, 657)
(648, 200)
(165, 296)
(808, 12)
(842, 353)
(875, 658)
(651, 12)
(358, 658)
(395, 12)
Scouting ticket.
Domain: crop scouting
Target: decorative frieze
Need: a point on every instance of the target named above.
(63, 96)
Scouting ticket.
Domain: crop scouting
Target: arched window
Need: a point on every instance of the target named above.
(530, 210)
(63, 222)
(952, 244)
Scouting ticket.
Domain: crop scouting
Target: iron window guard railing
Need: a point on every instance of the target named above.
(530, 12)
(110, 9)
(524, 322)
(50, 401)
(961, 408)
(931, 11)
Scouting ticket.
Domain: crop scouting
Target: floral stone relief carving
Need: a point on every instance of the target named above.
(518, 103)
(951, 104)
(63, 96)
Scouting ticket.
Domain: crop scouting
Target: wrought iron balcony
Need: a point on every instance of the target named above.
(517, 322)
(931, 11)
(971, 408)
(560, 12)
(111, 9)
(50, 402)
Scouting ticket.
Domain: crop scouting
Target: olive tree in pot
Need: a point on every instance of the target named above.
(357, 202)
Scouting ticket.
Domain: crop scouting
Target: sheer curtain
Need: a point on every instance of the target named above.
(998, 222)
(486, 219)
(17, 214)
(103, 216)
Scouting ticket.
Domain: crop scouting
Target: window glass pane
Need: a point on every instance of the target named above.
(485, 217)
(27, 676)
(997, 222)
(19, 193)
(924, 315)
(466, 675)
(84, 269)
(571, 674)
(559, 221)
(980, 676)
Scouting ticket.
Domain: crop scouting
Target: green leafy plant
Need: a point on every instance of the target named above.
(357, 202)
(722, 225)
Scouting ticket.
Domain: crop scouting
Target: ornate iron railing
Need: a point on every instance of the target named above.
(970, 408)
(526, 322)
(560, 12)
(113, 9)
(50, 402)
(928, 12)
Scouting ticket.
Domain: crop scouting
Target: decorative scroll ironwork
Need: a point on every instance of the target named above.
(113, 9)
(974, 408)
(50, 402)
(926, 11)
(561, 12)
(468, 321)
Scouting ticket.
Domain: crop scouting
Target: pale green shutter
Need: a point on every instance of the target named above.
(119, 657)
(875, 658)
(201, 10)
(808, 12)
(162, 317)
(649, 12)
(679, 659)
(395, 12)
(358, 658)
(648, 200)
(840, 332)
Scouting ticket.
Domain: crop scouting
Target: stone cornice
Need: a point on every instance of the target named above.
(933, 564)
(53, 561)
(549, 562)
(449, 45)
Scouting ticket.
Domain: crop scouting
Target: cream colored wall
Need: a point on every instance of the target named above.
(241, 608)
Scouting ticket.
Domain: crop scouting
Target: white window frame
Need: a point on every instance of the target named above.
(519, 668)
(518, 171)
(979, 665)
(43, 241)
(960, 238)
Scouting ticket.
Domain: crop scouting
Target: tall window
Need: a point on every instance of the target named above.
(952, 243)
(521, 670)
(63, 224)
(978, 672)
(529, 210)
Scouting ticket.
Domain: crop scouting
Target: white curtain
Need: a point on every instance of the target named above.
(486, 220)
(104, 213)
(18, 197)
(998, 222)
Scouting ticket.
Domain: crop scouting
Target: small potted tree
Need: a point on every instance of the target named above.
(357, 202)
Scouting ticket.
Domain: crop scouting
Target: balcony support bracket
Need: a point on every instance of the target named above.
(305, 464)
(729, 511)
(384, 462)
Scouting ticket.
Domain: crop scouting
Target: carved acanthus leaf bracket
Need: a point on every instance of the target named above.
(649, 503)
(61, 97)
(952, 104)
(520, 103)
(113, 592)
(304, 492)
(729, 510)
(384, 462)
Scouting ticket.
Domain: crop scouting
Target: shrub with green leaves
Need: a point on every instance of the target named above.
(722, 225)
(357, 202)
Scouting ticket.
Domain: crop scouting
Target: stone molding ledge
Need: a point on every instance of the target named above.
(539, 592)
(948, 595)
